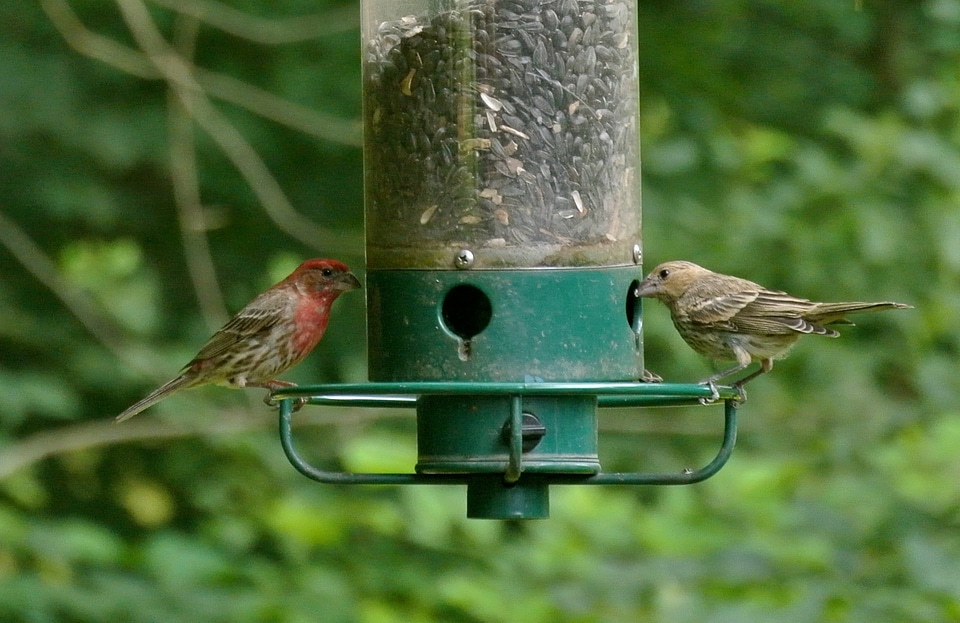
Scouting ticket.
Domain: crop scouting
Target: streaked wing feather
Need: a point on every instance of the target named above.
(776, 303)
(722, 308)
(780, 325)
(250, 320)
(778, 313)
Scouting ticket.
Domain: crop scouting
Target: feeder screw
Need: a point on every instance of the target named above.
(464, 259)
(531, 431)
(637, 254)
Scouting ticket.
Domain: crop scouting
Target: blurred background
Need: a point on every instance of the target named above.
(811, 146)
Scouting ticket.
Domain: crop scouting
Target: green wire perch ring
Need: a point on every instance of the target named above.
(406, 394)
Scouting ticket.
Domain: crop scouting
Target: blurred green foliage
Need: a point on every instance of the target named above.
(811, 146)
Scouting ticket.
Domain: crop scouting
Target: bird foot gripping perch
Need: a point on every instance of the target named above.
(274, 403)
(715, 393)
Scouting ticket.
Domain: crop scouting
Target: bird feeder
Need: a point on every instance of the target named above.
(503, 244)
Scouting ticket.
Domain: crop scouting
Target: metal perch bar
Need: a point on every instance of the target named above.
(405, 395)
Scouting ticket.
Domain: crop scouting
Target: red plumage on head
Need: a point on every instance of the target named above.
(320, 264)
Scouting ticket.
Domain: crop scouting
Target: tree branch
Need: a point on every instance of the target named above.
(267, 105)
(186, 192)
(266, 31)
(178, 74)
(23, 453)
(37, 263)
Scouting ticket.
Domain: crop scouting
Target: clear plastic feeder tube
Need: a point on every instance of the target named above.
(507, 127)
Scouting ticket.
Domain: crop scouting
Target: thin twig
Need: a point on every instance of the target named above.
(96, 46)
(22, 453)
(266, 31)
(267, 105)
(243, 156)
(186, 192)
(36, 262)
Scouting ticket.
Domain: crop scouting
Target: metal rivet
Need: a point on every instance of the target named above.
(637, 254)
(464, 259)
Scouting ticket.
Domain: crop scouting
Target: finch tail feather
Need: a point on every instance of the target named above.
(828, 313)
(156, 396)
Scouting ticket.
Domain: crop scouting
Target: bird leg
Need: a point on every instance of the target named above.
(750, 377)
(765, 366)
(712, 380)
(743, 360)
(270, 401)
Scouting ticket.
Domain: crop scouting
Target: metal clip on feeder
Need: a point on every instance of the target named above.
(503, 241)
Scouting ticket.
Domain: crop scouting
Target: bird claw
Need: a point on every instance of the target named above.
(650, 377)
(274, 403)
(714, 394)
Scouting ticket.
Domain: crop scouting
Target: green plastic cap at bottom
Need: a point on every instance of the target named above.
(489, 497)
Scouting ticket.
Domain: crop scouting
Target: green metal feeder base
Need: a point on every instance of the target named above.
(472, 434)
(507, 441)
(561, 324)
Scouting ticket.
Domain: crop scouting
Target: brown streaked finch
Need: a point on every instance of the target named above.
(728, 318)
(273, 333)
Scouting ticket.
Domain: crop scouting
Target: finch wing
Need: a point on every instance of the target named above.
(778, 313)
(776, 303)
(717, 308)
(256, 317)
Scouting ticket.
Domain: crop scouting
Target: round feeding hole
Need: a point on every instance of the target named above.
(634, 307)
(466, 311)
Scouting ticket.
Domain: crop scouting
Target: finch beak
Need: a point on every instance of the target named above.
(347, 281)
(648, 288)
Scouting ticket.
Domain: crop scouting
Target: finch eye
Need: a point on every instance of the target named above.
(327, 272)
(664, 273)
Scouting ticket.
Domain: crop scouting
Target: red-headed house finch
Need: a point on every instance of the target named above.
(729, 318)
(273, 333)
